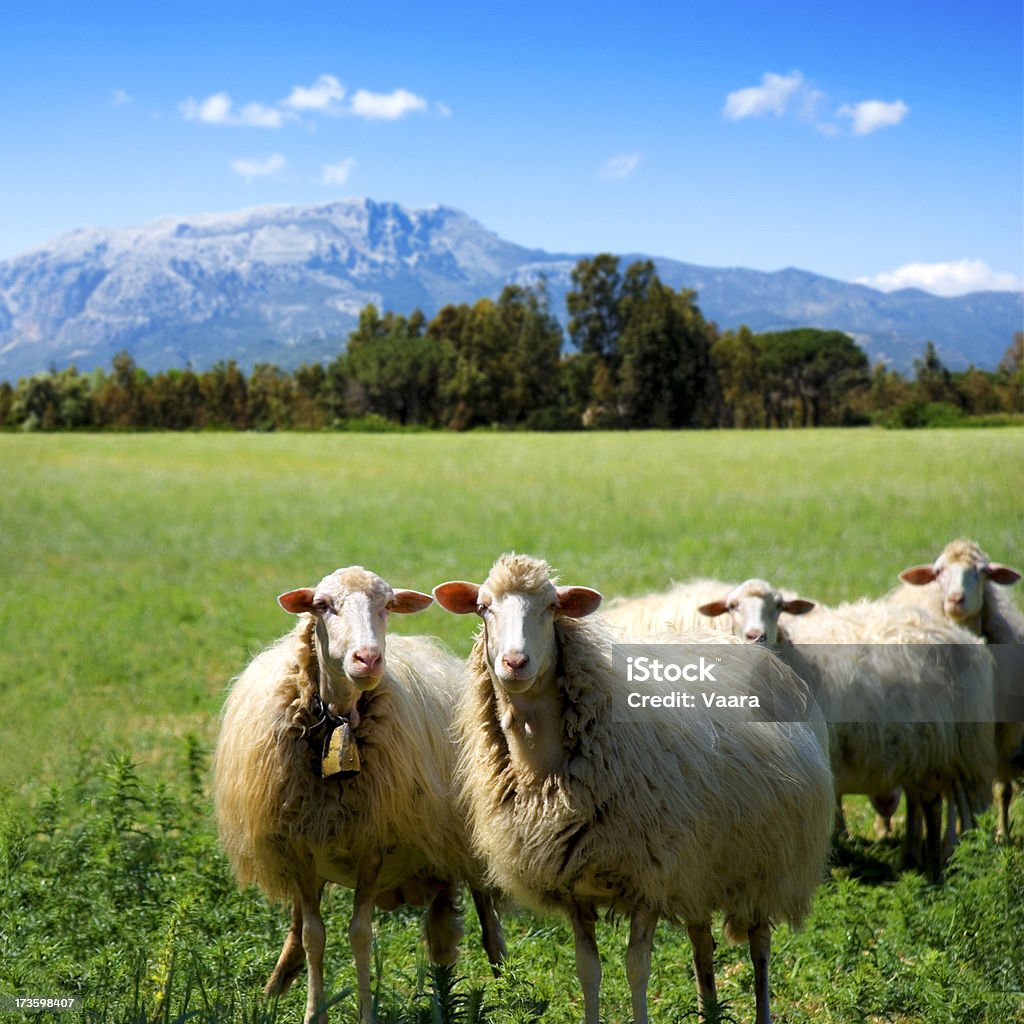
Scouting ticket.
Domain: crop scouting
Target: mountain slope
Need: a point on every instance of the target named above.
(285, 284)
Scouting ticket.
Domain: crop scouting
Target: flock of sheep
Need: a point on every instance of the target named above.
(391, 767)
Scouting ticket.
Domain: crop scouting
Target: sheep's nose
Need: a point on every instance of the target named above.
(755, 635)
(514, 662)
(366, 659)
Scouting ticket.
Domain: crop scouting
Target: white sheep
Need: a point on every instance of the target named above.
(909, 701)
(334, 764)
(676, 608)
(577, 803)
(752, 610)
(966, 587)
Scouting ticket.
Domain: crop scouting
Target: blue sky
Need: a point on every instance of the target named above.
(881, 142)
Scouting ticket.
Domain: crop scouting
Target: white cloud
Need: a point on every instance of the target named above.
(379, 106)
(219, 109)
(772, 96)
(118, 98)
(870, 115)
(324, 94)
(779, 95)
(337, 174)
(256, 168)
(956, 277)
(619, 166)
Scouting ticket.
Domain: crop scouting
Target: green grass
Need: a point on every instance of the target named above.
(140, 572)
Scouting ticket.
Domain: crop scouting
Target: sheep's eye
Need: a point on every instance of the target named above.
(484, 610)
(322, 606)
(733, 605)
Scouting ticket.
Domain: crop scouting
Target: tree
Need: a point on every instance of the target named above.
(808, 375)
(121, 398)
(532, 355)
(736, 358)
(665, 360)
(593, 304)
(225, 396)
(1011, 372)
(934, 381)
(270, 398)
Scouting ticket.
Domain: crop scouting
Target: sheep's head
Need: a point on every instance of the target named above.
(961, 572)
(518, 603)
(351, 608)
(755, 607)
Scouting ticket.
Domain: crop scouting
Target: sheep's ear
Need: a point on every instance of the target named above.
(405, 602)
(297, 601)
(918, 575)
(713, 608)
(798, 606)
(458, 597)
(1003, 574)
(576, 602)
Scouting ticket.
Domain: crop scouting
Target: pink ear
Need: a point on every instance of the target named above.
(918, 575)
(713, 608)
(576, 602)
(297, 601)
(406, 602)
(458, 597)
(798, 606)
(1003, 574)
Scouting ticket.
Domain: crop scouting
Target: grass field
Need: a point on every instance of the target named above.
(141, 572)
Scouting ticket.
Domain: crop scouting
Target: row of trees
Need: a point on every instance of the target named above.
(640, 355)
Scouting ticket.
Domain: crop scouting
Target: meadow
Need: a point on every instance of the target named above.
(140, 573)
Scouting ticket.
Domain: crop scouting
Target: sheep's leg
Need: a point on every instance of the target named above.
(490, 928)
(839, 823)
(933, 836)
(703, 966)
(292, 957)
(444, 928)
(588, 962)
(1004, 794)
(951, 837)
(360, 931)
(760, 937)
(638, 960)
(912, 832)
(314, 939)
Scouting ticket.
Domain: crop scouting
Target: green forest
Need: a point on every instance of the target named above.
(639, 355)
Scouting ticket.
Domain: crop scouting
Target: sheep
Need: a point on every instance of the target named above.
(752, 610)
(755, 607)
(909, 699)
(672, 609)
(577, 804)
(333, 764)
(963, 585)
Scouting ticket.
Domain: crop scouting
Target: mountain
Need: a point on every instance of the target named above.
(285, 284)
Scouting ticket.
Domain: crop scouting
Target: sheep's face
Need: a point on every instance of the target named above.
(518, 622)
(961, 572)
(351, 607)
(755, 607)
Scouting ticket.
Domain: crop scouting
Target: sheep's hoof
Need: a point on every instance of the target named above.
(281, 980)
